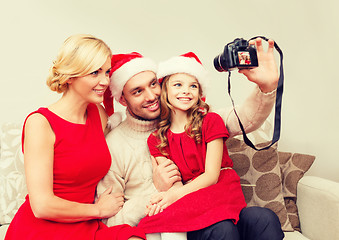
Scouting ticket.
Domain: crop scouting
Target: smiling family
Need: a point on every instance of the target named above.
(162, 173)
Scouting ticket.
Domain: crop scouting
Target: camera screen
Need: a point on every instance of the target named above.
(244, 58)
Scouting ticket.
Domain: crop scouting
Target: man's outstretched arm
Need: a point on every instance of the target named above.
(258, 106)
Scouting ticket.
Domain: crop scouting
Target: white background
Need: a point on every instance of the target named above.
(307, 31)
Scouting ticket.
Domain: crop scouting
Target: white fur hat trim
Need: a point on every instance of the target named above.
(120, 77)
(181, 64)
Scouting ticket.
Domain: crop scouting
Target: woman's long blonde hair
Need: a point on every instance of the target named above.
(80, 55)
(193, 127)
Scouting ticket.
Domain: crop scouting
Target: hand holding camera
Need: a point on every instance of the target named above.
(251, 59)
(259, 67)
(266, 75)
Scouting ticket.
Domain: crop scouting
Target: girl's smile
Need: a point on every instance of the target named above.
(183, 91)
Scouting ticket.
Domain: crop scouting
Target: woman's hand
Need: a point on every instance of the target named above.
(266, 75)
(109, 203)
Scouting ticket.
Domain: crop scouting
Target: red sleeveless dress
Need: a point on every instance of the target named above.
(207, 206)
(81, 159)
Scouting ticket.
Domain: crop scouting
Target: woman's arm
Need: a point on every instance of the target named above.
(209, 177)
(38, 157)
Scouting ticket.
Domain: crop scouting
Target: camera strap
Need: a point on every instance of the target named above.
(278, 102)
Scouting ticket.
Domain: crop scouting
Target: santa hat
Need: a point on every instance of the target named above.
(186, 63)
(124, 67)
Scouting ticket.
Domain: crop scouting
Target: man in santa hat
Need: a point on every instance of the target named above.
(135, 85)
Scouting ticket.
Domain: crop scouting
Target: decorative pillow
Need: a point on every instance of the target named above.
(260, 176)
(293, 167)
(12, 178)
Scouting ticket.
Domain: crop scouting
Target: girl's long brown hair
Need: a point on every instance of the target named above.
(193, 127)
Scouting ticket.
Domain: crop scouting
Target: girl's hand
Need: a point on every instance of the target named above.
(109, 203)
(164, 199)
(153, 209)
(266, 75)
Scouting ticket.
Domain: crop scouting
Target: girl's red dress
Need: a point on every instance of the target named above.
(202, 208)
(81, 159)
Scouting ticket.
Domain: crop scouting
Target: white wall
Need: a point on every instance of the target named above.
(307, 31)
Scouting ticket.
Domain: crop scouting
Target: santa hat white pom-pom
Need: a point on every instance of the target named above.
(114, 120)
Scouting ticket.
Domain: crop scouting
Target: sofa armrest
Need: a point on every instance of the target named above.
(318, 207)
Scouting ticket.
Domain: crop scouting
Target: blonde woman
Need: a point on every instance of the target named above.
(65, 153)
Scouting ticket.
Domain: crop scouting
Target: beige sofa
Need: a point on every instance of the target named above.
(317, 199)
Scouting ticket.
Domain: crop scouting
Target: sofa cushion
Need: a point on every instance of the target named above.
(12, 179)
(293, 167)
(260, 176)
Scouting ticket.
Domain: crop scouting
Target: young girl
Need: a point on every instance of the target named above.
(195, 140)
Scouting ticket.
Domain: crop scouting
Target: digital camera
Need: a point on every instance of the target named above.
(237, 54)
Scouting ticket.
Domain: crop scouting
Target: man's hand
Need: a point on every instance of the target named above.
(266, 75)
(165, 174)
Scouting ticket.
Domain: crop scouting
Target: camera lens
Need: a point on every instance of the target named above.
(219, 62)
